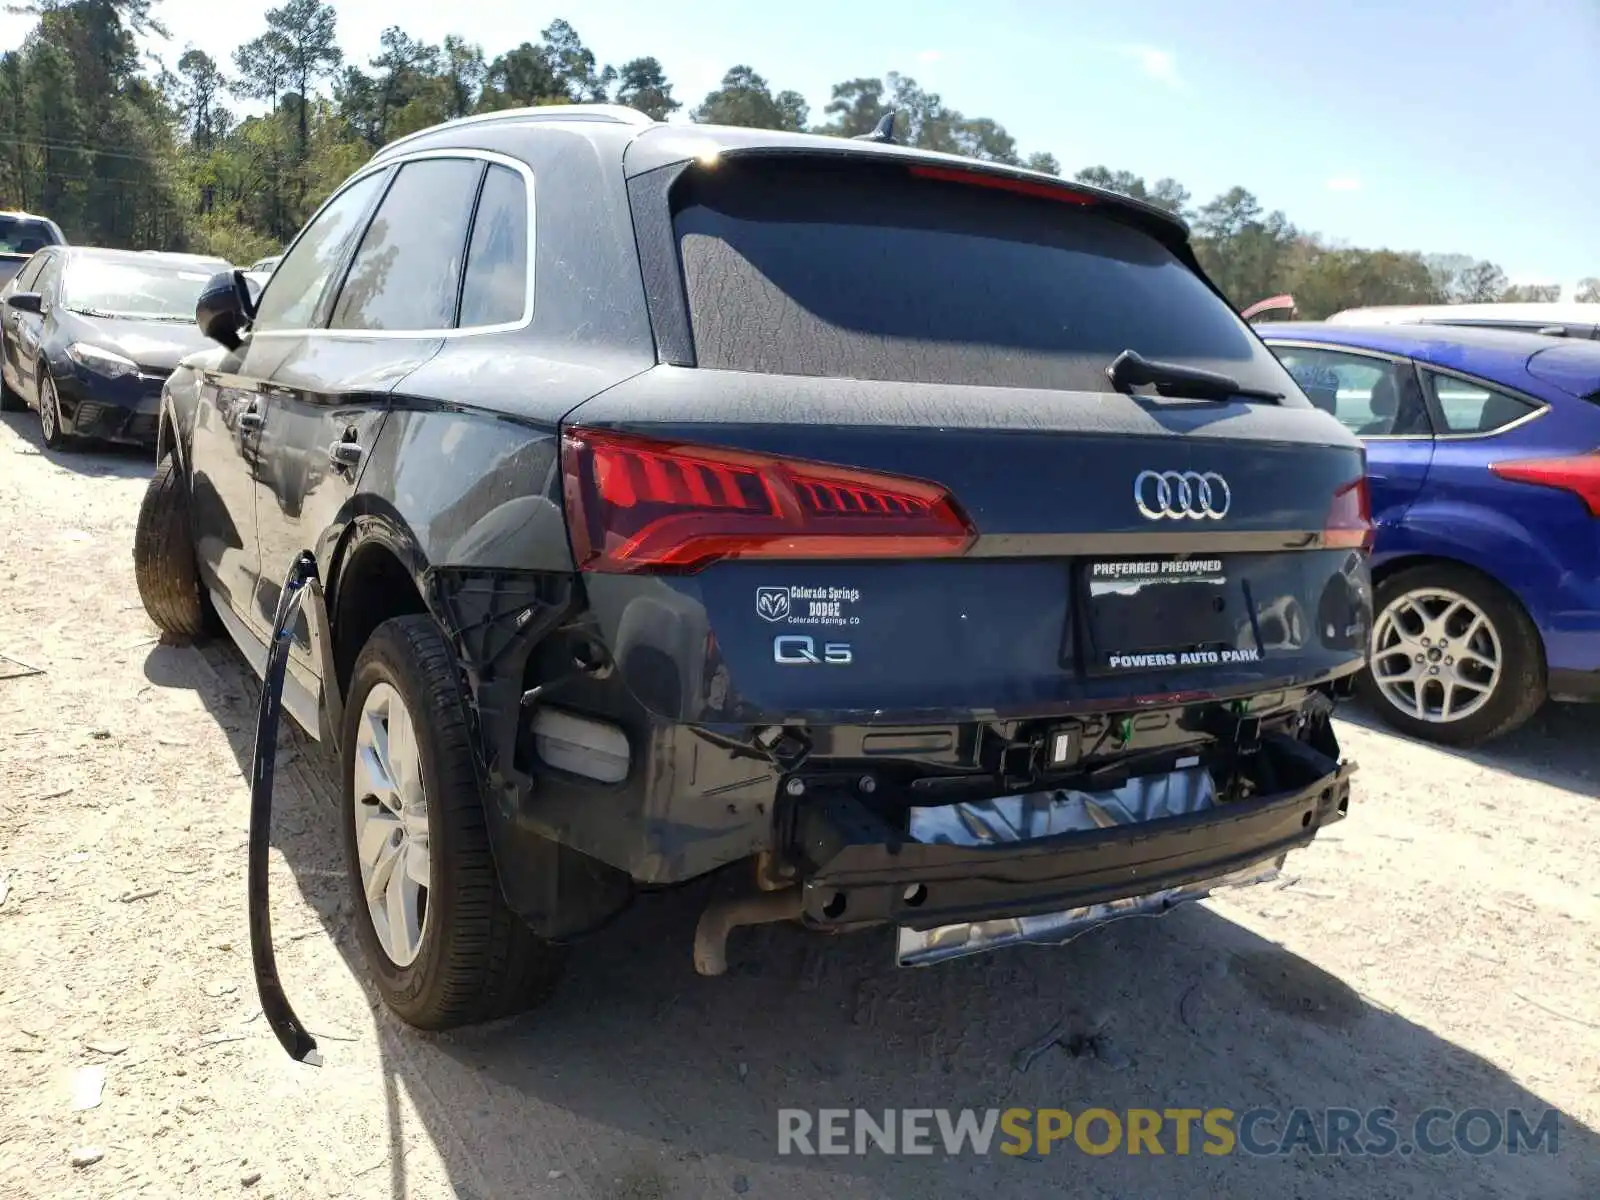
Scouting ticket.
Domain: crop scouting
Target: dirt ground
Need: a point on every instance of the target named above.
(1440, 947)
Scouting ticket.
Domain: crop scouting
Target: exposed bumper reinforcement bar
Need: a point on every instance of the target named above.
(861, 870)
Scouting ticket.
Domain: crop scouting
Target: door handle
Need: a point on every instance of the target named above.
(344, 455)
(250, 421)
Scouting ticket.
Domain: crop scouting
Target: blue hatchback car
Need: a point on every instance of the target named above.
(1483, 459)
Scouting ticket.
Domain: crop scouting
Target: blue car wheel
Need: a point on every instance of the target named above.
(1455, 659)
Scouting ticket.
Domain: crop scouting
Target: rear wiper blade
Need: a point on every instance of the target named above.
(1130, 370)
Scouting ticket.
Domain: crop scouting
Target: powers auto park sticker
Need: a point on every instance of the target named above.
(808, 605)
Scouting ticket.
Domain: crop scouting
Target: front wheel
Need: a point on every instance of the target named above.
(439, 941)
(163, 556)
(1455, 658)
(50, 413)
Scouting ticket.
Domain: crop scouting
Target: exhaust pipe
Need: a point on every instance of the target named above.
(721, 917)
(291, 1034)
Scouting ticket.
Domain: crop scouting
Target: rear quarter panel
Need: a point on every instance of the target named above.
(1541, 544)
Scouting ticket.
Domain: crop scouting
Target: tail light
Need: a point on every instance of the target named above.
(1062, 193)
(1349, 524)
(1579, 475)
(639, 504)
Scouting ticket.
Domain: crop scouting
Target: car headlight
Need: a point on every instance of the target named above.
(101, 362)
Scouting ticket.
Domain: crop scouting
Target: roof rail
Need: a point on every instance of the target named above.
(616, 114)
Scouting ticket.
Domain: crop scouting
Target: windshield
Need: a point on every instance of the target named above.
(134, 290)
(19, 236)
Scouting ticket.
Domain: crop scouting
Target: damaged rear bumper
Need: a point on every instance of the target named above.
(860, 870)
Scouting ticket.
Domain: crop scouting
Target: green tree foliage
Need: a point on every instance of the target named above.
(306, 32)
(1589, 290)
(122, 155)
(1245, 251)
(261, 68)
(1462, 279)
(1481, 283)
(195, 95)
(1329, 280)
(856, 108)
(921, 119)
(405, 77)
(461, 77)
(1164, 193)
(642, 84)
(89, 140)
(1531, 293)
(745, 99)
(55, 121)
(520, 78)
(573, 65)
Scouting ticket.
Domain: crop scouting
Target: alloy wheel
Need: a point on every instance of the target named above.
(391, 824)
(1436, 655)
(49, 409)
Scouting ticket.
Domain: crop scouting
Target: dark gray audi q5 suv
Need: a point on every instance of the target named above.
(923, 541)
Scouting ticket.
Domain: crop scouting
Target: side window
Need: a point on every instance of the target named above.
(30, 272)
(407, 272)
(1472, 407)
(1368, 395)
(45, 283)
(290, 301)
(495, 291)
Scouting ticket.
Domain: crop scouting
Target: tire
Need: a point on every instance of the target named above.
(50, 412)
(1517, 687)
(473, 958)
(163, 557)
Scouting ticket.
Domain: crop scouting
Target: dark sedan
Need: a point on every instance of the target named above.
(87, 337)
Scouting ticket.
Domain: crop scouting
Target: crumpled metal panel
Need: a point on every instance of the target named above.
(1043, 814)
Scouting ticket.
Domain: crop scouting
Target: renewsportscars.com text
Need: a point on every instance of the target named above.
(1375, 1132)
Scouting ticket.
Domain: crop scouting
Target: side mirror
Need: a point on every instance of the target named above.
(28, 302)
(225, 309)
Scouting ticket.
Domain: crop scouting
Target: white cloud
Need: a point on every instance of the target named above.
(1161, 65)
(1343, 183)
(929, 57)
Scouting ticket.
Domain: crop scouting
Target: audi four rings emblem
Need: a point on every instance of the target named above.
(1176, 495)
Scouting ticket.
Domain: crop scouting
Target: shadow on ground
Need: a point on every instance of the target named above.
(643, 1081)
(1560, 746)
(84, 458)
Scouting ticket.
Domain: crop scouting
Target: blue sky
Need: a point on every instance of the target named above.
(1467, 126)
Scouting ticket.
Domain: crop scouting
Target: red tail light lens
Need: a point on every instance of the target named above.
(1007, 183)
(1349, 525)
(638, 504)
(1579, 474)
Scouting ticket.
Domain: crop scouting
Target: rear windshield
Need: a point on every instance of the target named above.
(801, 269)
(19, 235)
(121, 289)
